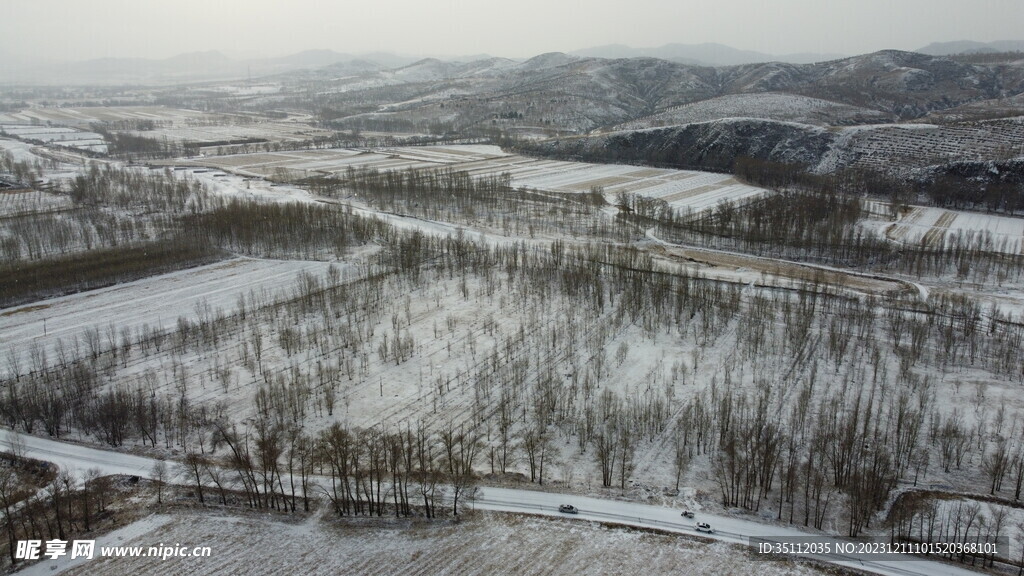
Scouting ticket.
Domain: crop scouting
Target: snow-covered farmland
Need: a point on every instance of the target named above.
(155, 303)
(58, 136)
(682, 189)
(936, 226)
(272, 131)
(85, 116)
(24, 202)
(496, 544)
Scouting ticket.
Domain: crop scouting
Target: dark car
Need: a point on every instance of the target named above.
(687, 514)
(568, 509)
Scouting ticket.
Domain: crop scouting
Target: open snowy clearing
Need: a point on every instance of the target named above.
(682, 189)
(134, 531)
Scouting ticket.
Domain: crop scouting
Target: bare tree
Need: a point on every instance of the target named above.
(159, 475)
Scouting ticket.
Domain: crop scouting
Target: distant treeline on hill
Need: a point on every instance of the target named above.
(989, 186)
(782, 156)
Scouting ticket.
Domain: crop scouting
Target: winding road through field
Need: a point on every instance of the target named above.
(78, 458)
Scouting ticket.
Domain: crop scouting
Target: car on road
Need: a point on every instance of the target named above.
(704, 527)
(567, 509)
(687, 514)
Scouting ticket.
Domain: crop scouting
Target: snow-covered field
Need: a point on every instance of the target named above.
(493, 544)
(23, 202)
(935, 226)
(157, 303)
(274, 131)
(57, 136)
(132, 532)
(20, 151)
(682, 189)
(85, 116)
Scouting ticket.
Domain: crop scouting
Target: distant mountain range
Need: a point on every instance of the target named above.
(710, 54)
(971, 47)
(702, 54)
(581, 94)
(191, 67)
(214, 65)
(648, 109)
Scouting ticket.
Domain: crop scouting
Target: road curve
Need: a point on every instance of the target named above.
(78, 458)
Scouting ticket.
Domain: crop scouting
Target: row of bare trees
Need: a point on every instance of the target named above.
(923, 517)
(358, 472)
(485, 202)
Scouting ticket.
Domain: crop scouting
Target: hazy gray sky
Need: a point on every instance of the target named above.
(85, 29)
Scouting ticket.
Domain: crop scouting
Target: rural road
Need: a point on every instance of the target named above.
(77, 459)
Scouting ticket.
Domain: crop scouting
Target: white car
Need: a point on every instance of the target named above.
(704, 527)
(567, 509)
